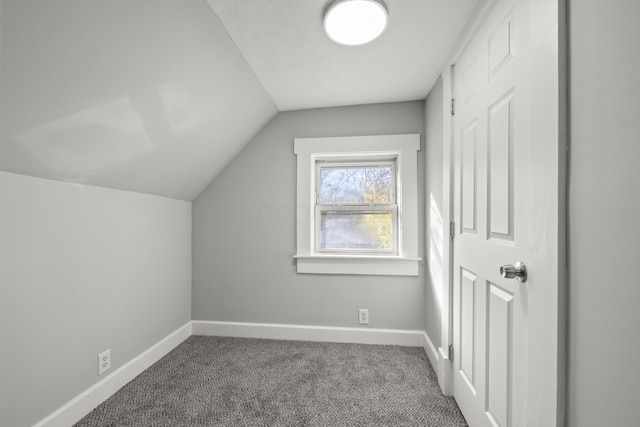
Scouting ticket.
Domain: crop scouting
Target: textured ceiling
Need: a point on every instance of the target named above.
(284, 42)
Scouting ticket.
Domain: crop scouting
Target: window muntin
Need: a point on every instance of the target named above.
(356, 208)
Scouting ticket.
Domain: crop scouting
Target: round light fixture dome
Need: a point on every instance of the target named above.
(355, 22)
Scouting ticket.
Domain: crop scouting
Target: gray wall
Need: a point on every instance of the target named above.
(604, 213)
(83, 269)
(433, 211)
(244, 233)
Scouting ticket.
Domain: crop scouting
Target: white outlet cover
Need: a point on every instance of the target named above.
(363, 316)
(104, 361)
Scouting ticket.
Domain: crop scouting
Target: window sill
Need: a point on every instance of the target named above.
(372, 265)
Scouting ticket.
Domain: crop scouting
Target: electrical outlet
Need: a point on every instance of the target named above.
(104, 361)
(363, 316)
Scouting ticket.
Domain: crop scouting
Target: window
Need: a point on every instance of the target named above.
(357, 205)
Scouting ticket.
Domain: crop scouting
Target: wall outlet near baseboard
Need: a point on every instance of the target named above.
(104, 361)
(363, 316)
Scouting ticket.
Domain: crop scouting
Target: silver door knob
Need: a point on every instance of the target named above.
(519, 271)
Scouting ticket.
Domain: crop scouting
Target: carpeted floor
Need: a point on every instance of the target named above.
(213, 381)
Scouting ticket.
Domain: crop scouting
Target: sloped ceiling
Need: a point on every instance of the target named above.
(158, 96)
(146, 95)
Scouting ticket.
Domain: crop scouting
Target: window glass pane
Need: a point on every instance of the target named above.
(356, 230)
(356, 184)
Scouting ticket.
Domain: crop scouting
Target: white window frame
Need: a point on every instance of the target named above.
(404, 260)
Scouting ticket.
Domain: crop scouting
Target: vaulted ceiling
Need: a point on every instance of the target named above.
(158, 96)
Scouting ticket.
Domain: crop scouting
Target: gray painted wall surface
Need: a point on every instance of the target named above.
(83, 269)
(244, 233)
(433, 211)
(604, 213)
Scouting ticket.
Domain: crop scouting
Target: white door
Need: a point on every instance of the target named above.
(496, 204)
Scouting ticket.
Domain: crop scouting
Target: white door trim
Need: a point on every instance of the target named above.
(549, 397)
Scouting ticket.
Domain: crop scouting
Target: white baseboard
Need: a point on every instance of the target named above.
(89, 399)
(444, 372)
(409, 338)
(85, 402)
(441, 364)
(432, 352)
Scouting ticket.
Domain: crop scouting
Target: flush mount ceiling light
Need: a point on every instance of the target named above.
(355, 22)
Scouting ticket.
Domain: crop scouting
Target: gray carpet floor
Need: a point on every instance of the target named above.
(214, 381)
